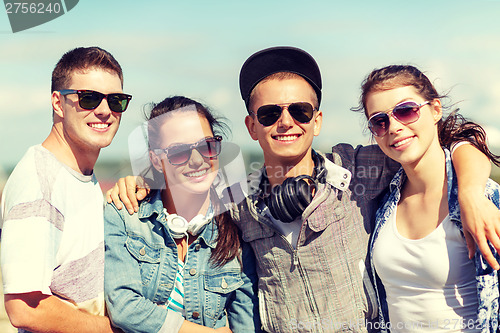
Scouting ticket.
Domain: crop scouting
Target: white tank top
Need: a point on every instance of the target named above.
(430, 282)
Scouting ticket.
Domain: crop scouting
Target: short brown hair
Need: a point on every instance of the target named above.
(82, 59)
(280, 76)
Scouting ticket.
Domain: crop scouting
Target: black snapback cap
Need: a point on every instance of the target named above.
(278, 59)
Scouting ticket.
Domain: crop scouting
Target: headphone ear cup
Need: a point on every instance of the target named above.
(276, 205)
(177, 224)
(291, 192)
(289, 200)
(304, 194)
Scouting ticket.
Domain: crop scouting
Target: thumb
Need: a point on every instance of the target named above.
(142, 193)
(471, 244)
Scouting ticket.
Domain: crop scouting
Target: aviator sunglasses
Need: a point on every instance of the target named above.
(300, 111)
(180, 154)
(90, 99)
(406, 113)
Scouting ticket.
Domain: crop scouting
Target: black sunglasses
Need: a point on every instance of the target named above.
(300, 111)
(181, 153)
(406, 113)
(90, 99)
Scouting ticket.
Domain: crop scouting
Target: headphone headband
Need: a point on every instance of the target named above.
(288, 201)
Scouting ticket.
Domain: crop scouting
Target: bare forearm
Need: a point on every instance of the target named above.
(480, 217)
(473, 169)
(41, 313)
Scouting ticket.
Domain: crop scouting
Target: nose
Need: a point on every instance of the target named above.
(394, 125)
(196, 159)
(103, 108)
(285, 120)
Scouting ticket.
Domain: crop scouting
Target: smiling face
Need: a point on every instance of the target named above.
(406, 144)
(88, 130)
(287, 141)
(185, 127)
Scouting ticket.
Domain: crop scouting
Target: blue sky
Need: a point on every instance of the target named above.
(196, 49)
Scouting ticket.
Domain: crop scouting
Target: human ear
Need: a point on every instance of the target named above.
(437, 110)
(155, 161)
(318, 121)
(250, 123)
(57, 102)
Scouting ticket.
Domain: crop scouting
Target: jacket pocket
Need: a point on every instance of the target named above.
(148, 257)
(218, 291)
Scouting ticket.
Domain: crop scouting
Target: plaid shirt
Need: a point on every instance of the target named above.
(322, 284)
(486, 277)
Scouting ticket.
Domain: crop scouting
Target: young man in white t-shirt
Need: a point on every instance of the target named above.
(52, 253)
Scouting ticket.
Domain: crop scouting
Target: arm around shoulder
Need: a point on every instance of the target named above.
(369, 166)
(480, 217)
(37, 312)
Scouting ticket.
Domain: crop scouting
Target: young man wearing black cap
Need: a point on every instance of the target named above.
(306, 216)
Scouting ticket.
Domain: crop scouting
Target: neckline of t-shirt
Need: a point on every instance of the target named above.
(81, 177)
(392, 221)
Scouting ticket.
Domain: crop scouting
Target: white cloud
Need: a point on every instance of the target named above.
(20, 101)
(493, 134)
(221, 98)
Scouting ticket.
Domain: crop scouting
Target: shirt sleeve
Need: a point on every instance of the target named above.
(369, 166)
(31, 236)
(127, 307)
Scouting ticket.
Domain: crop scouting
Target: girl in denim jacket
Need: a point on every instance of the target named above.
(417, 252)
(163, 273)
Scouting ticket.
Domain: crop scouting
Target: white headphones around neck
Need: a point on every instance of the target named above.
(180, 227)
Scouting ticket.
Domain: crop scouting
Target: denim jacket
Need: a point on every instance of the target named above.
(486, 277)
(141, 265)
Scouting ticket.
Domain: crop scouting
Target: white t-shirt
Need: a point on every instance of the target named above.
(430, 282)
(53, 232)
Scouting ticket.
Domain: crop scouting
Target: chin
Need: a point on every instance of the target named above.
(198, 189)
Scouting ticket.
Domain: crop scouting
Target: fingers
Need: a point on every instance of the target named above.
(112, 196)
(492, 236)
(142, 193)
(108, 195)
(126, 187)
(480, 239)
(127, 193)
(488, 256)
(481, 224)
(471, 244)
(142, 188)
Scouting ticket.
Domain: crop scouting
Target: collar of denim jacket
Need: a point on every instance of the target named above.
(153, 205)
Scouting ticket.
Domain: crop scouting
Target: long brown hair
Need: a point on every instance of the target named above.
(228, 240)
(452, 129)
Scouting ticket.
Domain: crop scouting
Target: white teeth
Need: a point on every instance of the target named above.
(286, 137)
(402, 142)
(99, 125)
(196, 173)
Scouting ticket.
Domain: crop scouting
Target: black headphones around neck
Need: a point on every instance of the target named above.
(288, 201)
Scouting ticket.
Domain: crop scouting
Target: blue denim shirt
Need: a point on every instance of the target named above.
(486, 277)
(141, 265)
